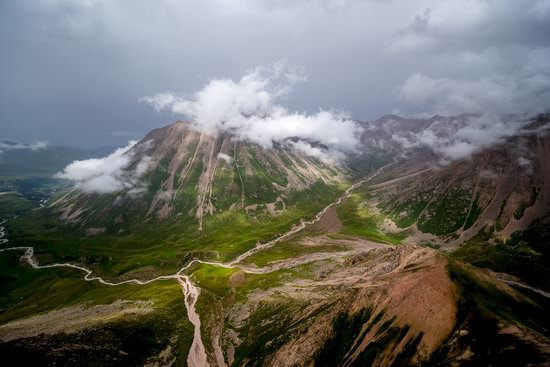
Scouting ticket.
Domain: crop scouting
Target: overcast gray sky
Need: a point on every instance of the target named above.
(73, 72)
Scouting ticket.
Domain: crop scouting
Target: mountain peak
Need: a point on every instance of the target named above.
(194, 174)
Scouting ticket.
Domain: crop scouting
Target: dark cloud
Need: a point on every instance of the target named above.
(497, 57)
(72, 71)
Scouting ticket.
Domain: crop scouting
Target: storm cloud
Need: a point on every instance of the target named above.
(73, 71)
(498, 54)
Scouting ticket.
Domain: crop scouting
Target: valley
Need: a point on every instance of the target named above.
(197, 355)
(272, 183)
(342, 274)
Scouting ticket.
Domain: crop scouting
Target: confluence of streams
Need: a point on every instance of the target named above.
(197, 354)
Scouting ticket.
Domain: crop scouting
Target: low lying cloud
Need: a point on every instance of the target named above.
(247, 108)
(459, 138)
(525, 164)
(317, 152)
(226, 158)
(10, 145)
(109, 174)
(488, 174)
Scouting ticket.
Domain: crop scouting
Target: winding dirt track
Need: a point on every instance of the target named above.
(303, 224)
(197, 354)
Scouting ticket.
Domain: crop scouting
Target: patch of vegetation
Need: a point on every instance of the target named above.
(357, 220)
(27, 292)
(255, 282)
(473, 214)
(445, 215)
(12, 203)
(406, 214)
(286, 250)
(273, 323)
(260, 183)
(269, 327)
(526, 255)
(213, 278)
(226, 189)
(518, 213)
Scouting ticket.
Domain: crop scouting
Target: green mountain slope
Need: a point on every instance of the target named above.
(194, 175)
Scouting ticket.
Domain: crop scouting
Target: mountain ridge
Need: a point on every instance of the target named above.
(193, 171)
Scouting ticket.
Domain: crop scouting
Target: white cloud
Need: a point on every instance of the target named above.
(226, 158)
(108, 174)
(247, 109)
(525, 164)
(165, 195)
(323, 155)
(36, 146)
(459, 138)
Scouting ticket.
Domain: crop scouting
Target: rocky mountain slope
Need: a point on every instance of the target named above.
(392, 306)
(504, 188)
(192, 174)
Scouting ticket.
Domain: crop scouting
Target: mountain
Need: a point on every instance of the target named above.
(395, 306)
(505, 186)
(190, 175)
(492, 209)
(420, 248)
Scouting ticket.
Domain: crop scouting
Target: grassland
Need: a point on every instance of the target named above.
(289, 249)
(359, 220)
(520, 257)
(25, 291)
(160, 247)
(213, 278)
(11, 203)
